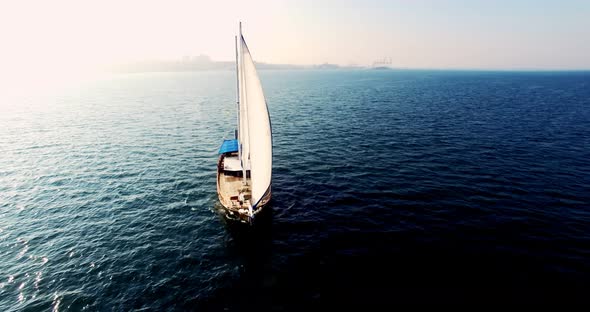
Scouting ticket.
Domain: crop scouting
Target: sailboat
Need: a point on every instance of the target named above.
(244, 168)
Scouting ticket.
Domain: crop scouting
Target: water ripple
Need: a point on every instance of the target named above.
(430, 181)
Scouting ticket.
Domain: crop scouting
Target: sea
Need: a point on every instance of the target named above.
(390, 187)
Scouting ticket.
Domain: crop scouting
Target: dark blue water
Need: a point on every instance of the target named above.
(389, 187)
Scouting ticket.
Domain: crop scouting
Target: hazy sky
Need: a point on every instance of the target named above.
(498, 34)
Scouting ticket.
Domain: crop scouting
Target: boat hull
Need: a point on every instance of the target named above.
(229, 186)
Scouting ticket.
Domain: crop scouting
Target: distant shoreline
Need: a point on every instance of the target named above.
(204, 63)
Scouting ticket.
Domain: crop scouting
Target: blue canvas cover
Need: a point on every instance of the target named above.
(228, 146)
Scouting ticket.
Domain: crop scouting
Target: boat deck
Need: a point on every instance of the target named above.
(229, 186)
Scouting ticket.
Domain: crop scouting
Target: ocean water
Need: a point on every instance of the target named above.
(389, 187)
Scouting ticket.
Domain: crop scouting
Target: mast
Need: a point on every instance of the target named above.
(245, 159)
(237, 84)
(237, 98)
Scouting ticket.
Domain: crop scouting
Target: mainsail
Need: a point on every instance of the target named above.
(254, 132)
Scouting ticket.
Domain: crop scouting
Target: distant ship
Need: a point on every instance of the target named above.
(244, 168)
(382, 64)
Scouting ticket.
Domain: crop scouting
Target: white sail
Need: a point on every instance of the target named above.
(256, 137)
(243, 135)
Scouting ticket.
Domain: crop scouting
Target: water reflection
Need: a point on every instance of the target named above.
(251, 246)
